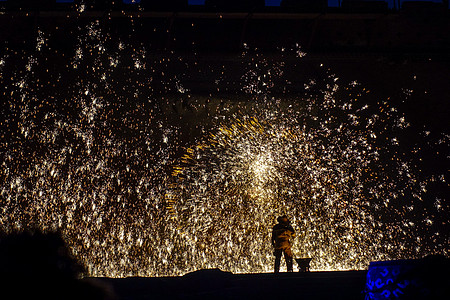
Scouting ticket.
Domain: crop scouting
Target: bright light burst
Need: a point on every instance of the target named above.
(328, 166)
(99, 161)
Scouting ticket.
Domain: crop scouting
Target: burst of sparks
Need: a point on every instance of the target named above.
(330, 178)
(93, 163)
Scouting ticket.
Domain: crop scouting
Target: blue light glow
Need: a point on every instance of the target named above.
(273, 2)
(196, 2)
(333, 3)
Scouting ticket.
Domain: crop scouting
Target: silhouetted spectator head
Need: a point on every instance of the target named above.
(36, 265)
(33, 254)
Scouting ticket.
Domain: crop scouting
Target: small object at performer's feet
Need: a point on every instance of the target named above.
(303, 264)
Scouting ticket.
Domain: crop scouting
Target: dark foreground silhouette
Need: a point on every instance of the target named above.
(425, 279)
(216, 284)
(39, 266)
(36, 265)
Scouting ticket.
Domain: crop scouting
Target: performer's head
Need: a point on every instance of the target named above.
(283, 219)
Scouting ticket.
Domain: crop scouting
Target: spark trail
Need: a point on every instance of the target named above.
(90, 149)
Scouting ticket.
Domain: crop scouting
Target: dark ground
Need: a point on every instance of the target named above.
(215, 284)
(396, 279)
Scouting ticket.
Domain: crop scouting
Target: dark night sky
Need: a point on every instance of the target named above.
(331, 3)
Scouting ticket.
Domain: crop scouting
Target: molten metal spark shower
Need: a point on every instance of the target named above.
(89, 149)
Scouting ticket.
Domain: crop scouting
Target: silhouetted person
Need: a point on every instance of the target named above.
(281, 241)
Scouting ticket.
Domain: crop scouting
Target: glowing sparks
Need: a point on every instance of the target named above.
(104, 164)
(331, 179)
